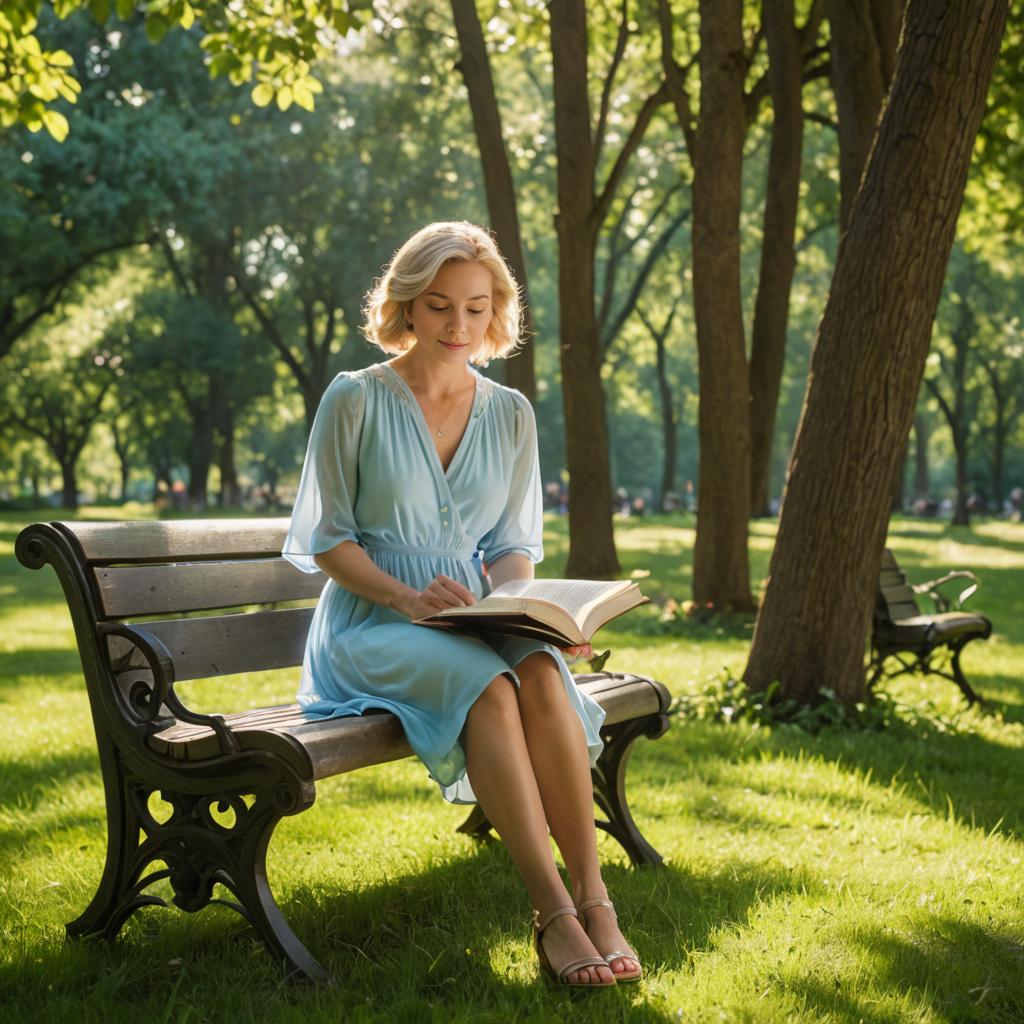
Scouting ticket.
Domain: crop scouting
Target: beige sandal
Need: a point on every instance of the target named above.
(618, 953)
(562, 973)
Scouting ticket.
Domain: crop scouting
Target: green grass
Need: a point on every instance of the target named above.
(848, 876)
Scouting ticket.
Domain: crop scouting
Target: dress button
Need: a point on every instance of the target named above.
(444, 508)
(445, 523)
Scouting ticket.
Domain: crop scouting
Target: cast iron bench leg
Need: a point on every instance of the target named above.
(199, 851)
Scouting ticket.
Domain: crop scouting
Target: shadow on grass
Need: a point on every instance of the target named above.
(933, 968)
(447, 943)
(52, 662)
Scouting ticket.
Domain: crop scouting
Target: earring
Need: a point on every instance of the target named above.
(408, 325)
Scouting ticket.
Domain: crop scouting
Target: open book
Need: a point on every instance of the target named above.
(566, 613)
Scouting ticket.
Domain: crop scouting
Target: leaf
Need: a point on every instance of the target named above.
(156, 28)
(302, 96)
(125, 8)
(188, 16)
(60, 59)
(56, 124)
(100, 10)
(284, 97)
(263, 94)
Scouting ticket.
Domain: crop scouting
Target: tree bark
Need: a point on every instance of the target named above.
(591, 541)
(229, 490)
(721, 576)
(870, 355)
(862, 44)
(69, 481)
(498, 185)
(778, 256)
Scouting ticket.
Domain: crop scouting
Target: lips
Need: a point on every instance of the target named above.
(451, 345)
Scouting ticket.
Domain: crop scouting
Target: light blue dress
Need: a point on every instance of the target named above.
(372, 475)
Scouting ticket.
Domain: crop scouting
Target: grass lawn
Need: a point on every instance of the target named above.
(843, 876)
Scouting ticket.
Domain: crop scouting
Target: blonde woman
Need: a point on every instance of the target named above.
(419, 470)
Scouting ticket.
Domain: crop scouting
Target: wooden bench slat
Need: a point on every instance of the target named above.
(337, 745)
(199, 586)
(177, 540)
(223, 645)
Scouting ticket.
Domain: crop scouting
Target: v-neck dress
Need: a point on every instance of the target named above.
(372, 475)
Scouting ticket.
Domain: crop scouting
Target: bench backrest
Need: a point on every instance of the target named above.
(128, 586)
(895, 598)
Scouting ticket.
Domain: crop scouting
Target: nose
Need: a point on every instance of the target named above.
(457, 324)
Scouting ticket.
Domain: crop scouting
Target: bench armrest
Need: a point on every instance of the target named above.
(162, 695)
(943, 603)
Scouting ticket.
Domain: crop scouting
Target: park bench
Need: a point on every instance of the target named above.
(907, 640)
(132, 590)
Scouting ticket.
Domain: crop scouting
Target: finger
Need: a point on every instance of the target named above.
(463, 594)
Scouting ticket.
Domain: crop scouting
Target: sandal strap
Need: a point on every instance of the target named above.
(598, 901)
(557, 912)
(628, 953)
(576, 965)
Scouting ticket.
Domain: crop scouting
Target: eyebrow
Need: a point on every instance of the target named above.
(441, 295)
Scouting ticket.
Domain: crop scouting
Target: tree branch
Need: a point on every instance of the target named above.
(643, 118)
(606, 89)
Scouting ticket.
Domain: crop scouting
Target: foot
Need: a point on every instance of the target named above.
(603, 930)
(564, 941)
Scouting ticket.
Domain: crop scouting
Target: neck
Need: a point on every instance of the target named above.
(432, 378)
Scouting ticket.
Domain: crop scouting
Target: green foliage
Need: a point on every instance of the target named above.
(728, 700)
(273, 43)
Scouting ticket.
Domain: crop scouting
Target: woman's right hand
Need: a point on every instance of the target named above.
(442, 592)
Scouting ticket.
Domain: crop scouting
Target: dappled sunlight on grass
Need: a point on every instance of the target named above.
(841, 876)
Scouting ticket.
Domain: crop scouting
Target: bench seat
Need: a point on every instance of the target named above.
(344, 744)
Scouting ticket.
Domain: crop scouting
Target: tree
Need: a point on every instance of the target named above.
(863, 52)
(581, 213)
(870, 355)
(57, 397)
(475, 68)
(274, 42)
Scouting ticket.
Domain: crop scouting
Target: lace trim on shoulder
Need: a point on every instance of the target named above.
(387, 377)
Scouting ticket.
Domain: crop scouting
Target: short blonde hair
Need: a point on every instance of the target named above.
(417, 263)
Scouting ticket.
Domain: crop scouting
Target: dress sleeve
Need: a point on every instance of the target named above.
(323, 515)
(520, 527)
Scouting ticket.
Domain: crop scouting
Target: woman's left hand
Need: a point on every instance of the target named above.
(584, 651)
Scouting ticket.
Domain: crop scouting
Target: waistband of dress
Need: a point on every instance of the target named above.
(462, 554)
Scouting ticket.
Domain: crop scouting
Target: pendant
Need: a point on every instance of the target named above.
(440, 433)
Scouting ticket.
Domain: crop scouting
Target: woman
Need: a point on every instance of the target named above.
(417, 470)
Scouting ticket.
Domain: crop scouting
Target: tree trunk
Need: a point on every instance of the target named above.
(899, 481)
(922, 432)
(668, 427)
(69, 479)
(721, 576)
(591, 541)
(498, 186)
(859, 82)
(229, 491)
(778, 257)
(961, 514)
(870, 354)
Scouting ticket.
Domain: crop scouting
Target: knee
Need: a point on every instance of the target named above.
(497, 700)
(541, 682)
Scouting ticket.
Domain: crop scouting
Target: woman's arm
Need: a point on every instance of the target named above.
(353, 569)
(512, 566)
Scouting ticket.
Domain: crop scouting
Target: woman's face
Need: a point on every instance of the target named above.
(451, 317)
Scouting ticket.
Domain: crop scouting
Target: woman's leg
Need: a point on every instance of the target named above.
(561, 765)
(500, 772)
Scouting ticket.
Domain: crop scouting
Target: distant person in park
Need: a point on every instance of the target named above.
(418, 470)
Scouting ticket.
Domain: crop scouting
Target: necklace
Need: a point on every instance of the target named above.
(439, 431)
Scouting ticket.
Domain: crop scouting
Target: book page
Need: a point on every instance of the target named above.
(577, 597)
